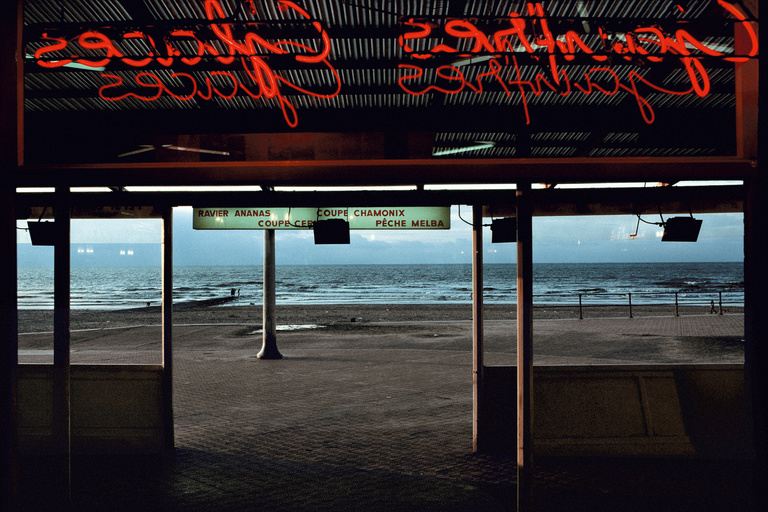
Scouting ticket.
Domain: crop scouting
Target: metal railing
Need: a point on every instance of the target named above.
(715, 308)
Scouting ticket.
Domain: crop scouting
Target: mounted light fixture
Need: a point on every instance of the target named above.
(504, 230)
(681, 229)
(331, 231)
(42, 233)
(676, 229)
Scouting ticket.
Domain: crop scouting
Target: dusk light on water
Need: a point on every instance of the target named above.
(554, 284)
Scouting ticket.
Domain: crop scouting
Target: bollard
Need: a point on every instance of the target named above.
(720, 302)
(581, 317)
(630, 305)
(677, 312)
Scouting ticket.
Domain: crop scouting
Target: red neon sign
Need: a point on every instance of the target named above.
(503, 69)
(530, 35)
(262, 81)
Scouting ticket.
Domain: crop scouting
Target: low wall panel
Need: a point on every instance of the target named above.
(665, 416)
(115, 409)
(35, 406)
(621, 410)
(595, 407)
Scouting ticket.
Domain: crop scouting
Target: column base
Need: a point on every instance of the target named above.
(269, 350)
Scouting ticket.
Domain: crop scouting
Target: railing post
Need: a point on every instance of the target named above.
(630, 305)
(581, 317)
(677, 311)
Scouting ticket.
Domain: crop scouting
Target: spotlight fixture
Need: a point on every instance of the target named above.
(42, 233)
(681, 229)
(504, 230)
(331, 231)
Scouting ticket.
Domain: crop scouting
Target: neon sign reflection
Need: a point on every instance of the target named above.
(254, 78)
(244, 70)
(532, 36)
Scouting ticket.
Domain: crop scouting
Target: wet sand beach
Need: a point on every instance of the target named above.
(337, 314)
(604, 335)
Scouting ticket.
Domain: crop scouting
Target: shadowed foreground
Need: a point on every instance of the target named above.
(376, 415)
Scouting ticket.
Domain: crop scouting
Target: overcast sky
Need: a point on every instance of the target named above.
(556, 240)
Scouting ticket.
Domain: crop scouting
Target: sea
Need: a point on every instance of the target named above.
(110, 288)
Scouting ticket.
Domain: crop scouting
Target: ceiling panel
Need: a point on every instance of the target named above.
(491, 80)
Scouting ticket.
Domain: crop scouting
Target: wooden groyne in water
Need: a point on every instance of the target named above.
(205, 302)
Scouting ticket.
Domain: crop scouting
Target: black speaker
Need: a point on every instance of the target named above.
(681, 229)
(504, 230)
(331, 231)
(42, 233)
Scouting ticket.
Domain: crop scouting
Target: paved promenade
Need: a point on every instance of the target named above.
(378, 417)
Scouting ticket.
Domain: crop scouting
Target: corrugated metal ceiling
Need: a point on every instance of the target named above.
(498, 121)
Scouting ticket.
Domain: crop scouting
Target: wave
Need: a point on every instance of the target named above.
(404, 284)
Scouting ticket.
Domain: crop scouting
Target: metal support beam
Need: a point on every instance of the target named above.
(11, 155)
(524, 348)
(746, 78)
(167, 321)
(755, 298)
(62, 436)
(552, 202)
(9, 354)
(269, 309)
(755, 328)
(477, 323)
(387, 172)
(11, 85)
(630, 201)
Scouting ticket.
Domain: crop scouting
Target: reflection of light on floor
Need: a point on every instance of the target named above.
(290, 327)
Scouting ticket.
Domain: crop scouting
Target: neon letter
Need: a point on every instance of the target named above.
(97, 41)
(60, 44)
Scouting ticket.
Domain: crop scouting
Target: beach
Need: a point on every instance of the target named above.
(336, 315)
(603, 335)
(376, 413)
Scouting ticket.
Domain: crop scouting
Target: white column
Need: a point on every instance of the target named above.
(269, 314)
